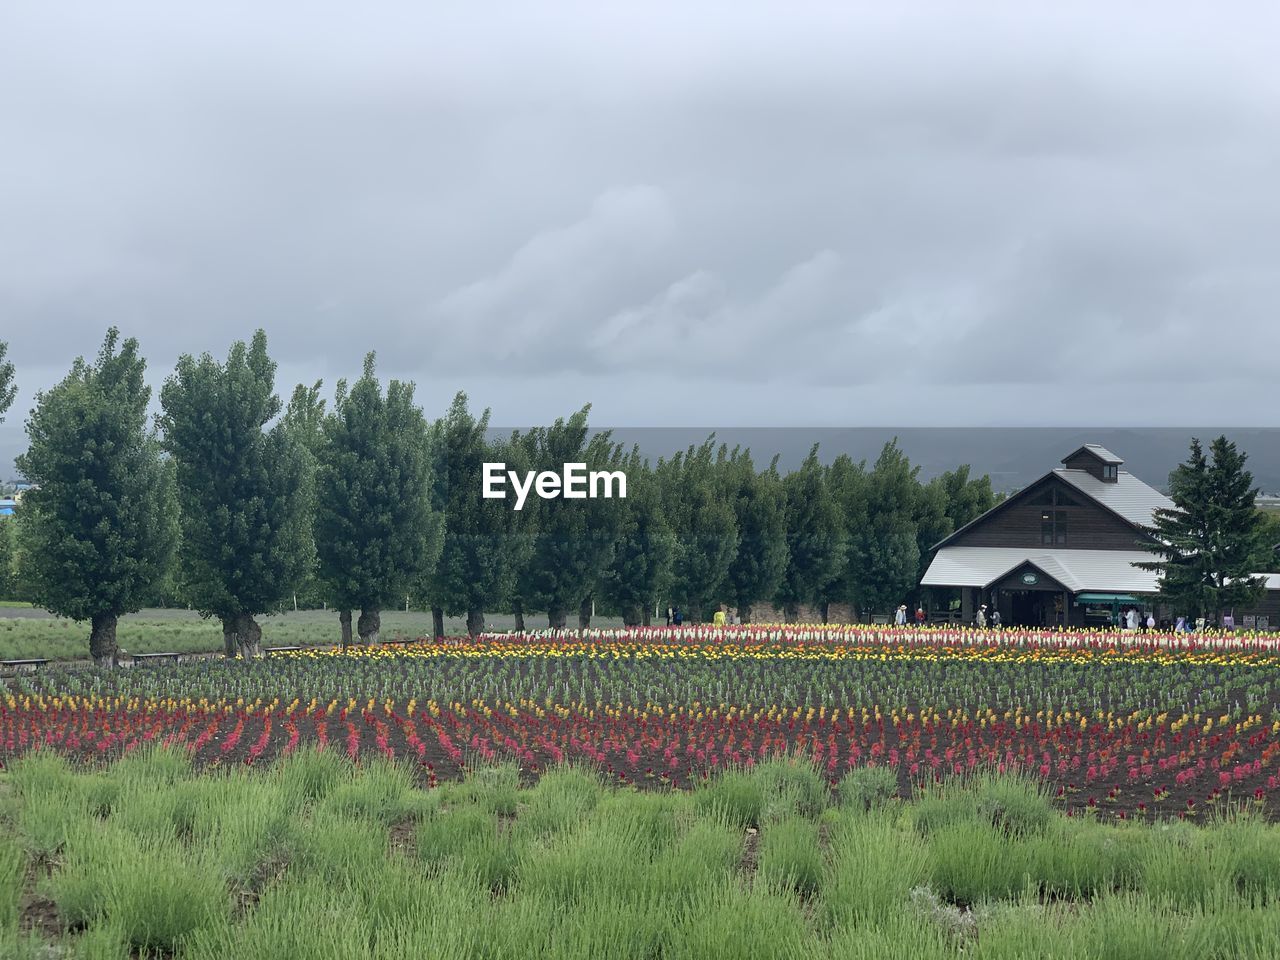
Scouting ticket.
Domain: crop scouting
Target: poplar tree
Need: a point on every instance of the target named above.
(244, 487)
(574, 539)
(519, 452)
(759, 508)
(8, 388)
(884, 550)
(100, 521)
(474, 570)
(639, 575)
(815, 538)
(375, 531)
(704, 526)
(303, 419)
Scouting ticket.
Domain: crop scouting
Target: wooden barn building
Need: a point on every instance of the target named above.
(1062, 551)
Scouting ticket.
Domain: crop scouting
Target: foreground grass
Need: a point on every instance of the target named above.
(25, 633)
(312, 858)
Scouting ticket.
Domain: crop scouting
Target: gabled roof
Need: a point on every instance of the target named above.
(1076, 570)
(1126, 496)
(1098, 450)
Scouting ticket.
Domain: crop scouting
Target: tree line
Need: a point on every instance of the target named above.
(234, 502)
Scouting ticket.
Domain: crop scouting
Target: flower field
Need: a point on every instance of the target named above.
(1132, 727)
(691, 793)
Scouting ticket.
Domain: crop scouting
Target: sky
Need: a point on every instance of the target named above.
(740, 213)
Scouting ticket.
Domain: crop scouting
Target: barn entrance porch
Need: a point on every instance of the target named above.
(1029, 597)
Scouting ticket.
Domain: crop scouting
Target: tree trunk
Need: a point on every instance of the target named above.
(790, 611)
(632, 616)
(584, 614)
(694, 614)
(229, 637)
(437, 622)
(826, 610)
(369, 625)
(744, 613)
(518, 610)
(475, 622)
(102, 641)
(557, 618)
(246, 635)
(645, 615)
(344, 620)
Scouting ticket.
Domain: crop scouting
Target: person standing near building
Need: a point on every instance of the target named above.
(980, 620)
(995, 619)
(920, 617)
(900, 616)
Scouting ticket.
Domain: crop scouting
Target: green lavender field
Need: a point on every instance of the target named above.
(314, 858)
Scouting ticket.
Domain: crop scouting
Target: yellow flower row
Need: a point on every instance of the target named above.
(886, 653)
(652, 711)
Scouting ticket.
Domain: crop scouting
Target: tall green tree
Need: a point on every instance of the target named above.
(245, 487)
(574, 542)
(704, 525)
(967, 497)
(1270, 536)
(759, 508)
(304, 416)
(932, 524)
(100, 521)
(639, 575)
(1213, 540)
(884, 551)
(815, 538)
(519, 452)
(946, 503)
(303, 419)
(8, 551)
(376, 532)
(8, 388)
(850, 489)
(473, 573)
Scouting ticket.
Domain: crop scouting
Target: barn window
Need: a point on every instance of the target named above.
(1053, 528)
(1053, 497)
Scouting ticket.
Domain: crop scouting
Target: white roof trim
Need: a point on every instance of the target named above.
(1109, 571)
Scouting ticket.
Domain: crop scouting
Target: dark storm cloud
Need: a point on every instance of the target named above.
(769, 213)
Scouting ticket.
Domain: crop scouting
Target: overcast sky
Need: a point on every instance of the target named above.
(738, 213)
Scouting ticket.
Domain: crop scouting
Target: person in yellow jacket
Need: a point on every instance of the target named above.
(717, 618)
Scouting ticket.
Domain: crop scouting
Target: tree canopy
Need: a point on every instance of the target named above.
(704, 525)
(8, 384)
(574, 539)
(816, 536)
(244, 486)
(100, 522)
(475, 566)
(376, 531)
(1213, 540)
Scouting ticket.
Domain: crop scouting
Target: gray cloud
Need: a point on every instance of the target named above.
(754, 213)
